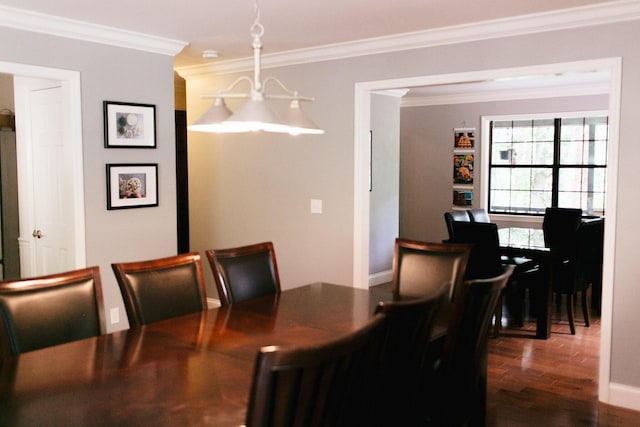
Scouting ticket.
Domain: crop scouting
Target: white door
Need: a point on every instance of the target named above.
(45, 174)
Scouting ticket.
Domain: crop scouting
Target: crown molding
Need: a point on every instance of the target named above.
(63, 27)
(598, 14)
(507, 95)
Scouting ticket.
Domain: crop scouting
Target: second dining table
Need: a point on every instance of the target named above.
(189, 370)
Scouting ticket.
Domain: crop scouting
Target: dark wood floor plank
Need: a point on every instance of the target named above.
(550, 382)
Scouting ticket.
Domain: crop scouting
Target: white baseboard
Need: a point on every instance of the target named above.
(624, 396)
(380, 278)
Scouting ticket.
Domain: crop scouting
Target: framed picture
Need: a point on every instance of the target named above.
(129, 125)
(462, 198)
(463, 168)
(464, 138)
(132, 186)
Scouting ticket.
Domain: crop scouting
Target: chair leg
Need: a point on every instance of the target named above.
(570, 313)
(585, 308)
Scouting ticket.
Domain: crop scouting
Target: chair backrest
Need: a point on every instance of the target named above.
(461, 384)
(479, 215)
(406, 362)
(244, 272)
(560, 226)
(584, 263)
(50, 310)
(484, 260)
(420, 268)
(455, 216)
(161, 288)
(330, 384)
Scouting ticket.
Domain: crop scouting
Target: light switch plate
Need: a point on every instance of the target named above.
(115, 315)
(316, 206)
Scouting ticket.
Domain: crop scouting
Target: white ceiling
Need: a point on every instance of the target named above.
(223, 25)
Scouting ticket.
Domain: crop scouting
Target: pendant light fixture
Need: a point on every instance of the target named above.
(255, 114)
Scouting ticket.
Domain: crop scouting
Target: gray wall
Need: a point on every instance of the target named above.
(253, 187)
(115, 74)
(384, 196)
(6, 92)
(426, 147)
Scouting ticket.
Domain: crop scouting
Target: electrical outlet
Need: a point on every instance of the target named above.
(115, 315)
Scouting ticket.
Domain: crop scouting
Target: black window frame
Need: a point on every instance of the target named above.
(556, 166)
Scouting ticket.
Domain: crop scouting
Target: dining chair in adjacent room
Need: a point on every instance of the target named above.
(457, 392)
(479, 215)
(161, 288)
(420, 268)
(244, 272)
(560, 226)
(486, 261)
(50, 310)
(578, 269)
(328, 384)
(407, 360)
(455, 216)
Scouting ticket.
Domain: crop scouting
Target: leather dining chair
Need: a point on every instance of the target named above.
(244, 272)
(162, 288)
(560, 226)
(49, 310)
(406, 357)
(479, 215)
(328, 384)
(420, 268)
(457, 391)
(485, 261)
(578, 268)
(455, 216)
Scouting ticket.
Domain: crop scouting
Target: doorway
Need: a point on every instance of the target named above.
(67, 164)
(363, 92)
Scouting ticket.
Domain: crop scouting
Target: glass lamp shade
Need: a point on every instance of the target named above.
(298, 121)
(255, 115)
(212, 120)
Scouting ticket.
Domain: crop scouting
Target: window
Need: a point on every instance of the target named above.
(536, 163)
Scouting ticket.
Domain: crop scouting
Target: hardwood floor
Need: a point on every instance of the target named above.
(550, 382)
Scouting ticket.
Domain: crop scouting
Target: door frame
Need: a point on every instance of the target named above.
(70, 81)
(362, 124)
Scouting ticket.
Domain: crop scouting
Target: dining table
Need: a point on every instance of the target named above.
(528, 242)
(194, 369)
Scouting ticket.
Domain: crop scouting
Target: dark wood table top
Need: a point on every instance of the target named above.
(190, 370)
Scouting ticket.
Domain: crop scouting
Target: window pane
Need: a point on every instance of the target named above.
(572, 129)
(542, 153)
(521, 179)
(500, 178)
(584, 141)
(570, 180)
(501, 153)
(522, 130)
(502, 132)
(583, 188)
(540, 200)
(499, 200)
(543, 130)
(542, 179)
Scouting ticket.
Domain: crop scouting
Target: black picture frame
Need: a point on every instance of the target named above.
(132, 185)
(129, 125)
